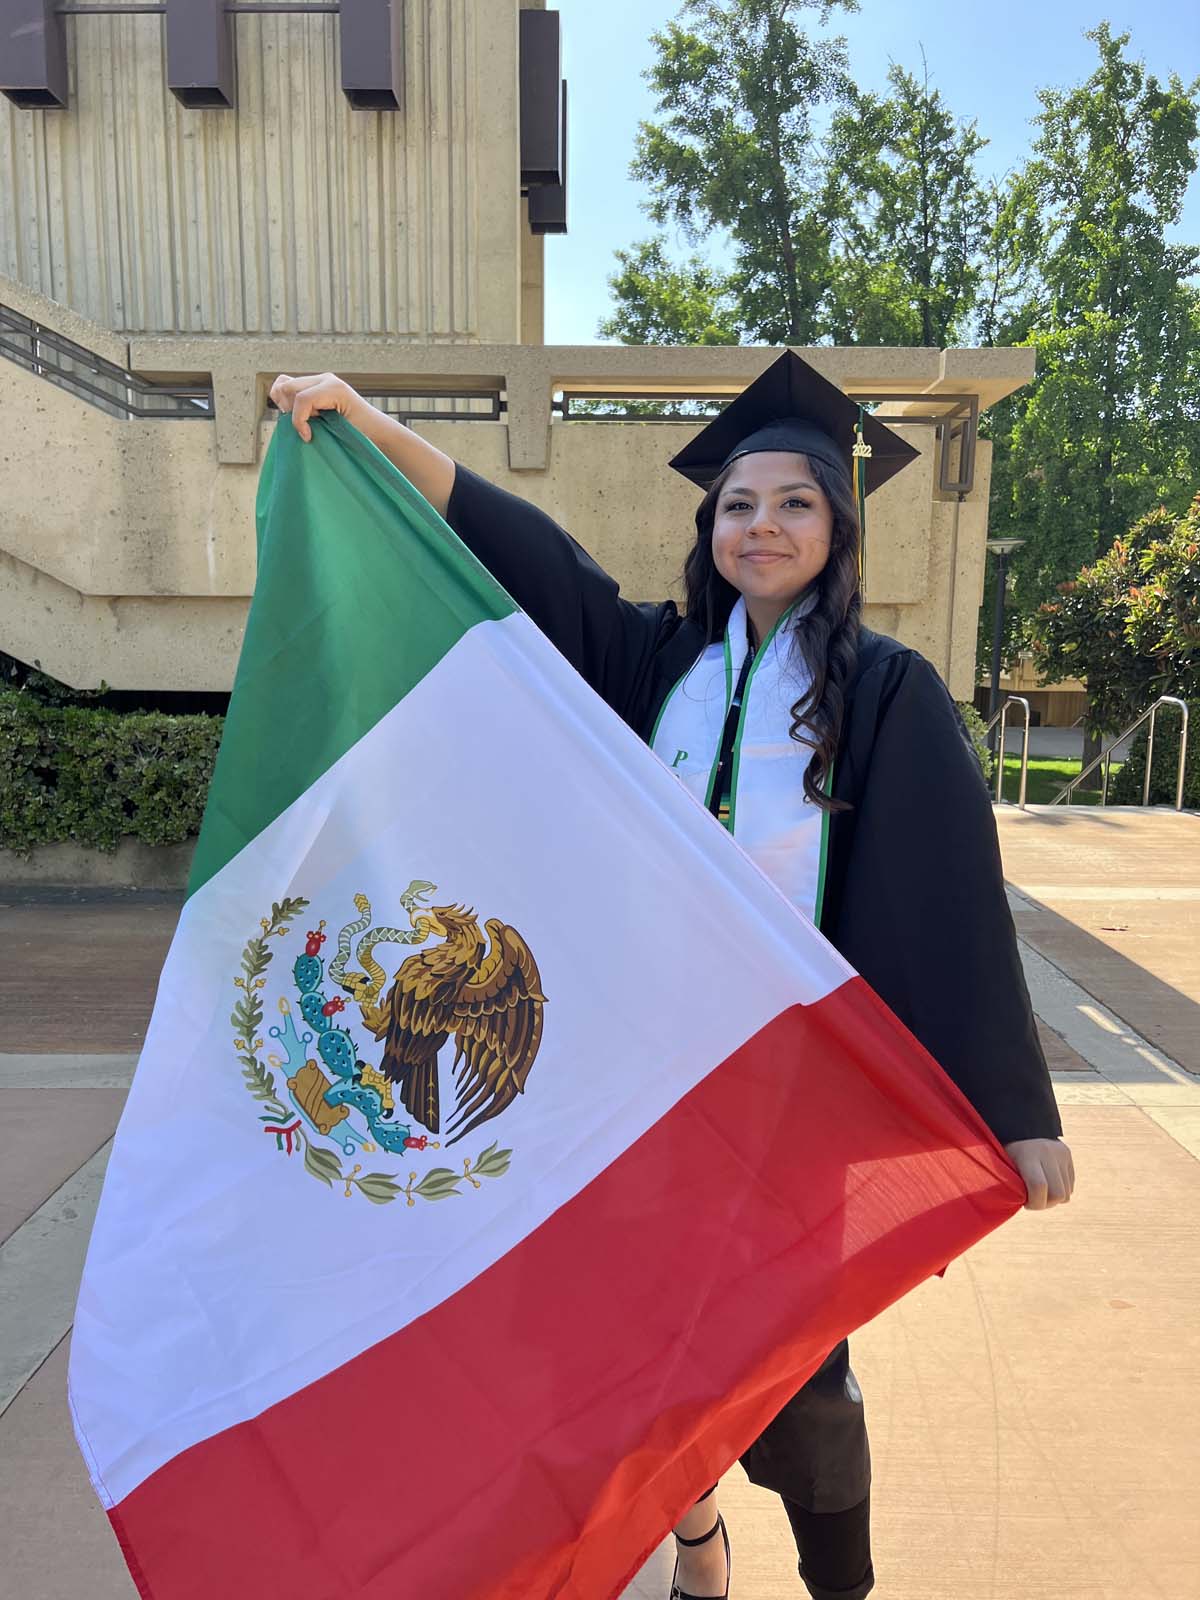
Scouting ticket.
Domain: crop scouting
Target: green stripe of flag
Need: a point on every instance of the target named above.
(362, 589)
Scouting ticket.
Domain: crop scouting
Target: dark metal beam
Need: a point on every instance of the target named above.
(541, 99)
(548, 202)
(200, 60)
(235, 8)
(373, 54)
(33, 55)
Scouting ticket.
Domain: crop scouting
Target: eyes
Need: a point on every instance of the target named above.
(796, 501)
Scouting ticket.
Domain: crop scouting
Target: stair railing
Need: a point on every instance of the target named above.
(1001, 717)
(1104, 759)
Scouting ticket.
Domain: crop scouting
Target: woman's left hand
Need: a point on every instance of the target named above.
(1048, 1171)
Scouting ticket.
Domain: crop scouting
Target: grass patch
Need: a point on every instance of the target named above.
(1047, 777)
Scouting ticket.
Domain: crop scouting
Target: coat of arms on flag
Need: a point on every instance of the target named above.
(529, 1385)
(318, 1093)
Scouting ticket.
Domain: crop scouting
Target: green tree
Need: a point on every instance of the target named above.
(660, 303)
(734, 150)
(1163, 618)
(1129, 624)
(1007, 265)
(1111, 425)
(908, 217)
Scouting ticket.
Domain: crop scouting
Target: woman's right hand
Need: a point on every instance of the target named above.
(429, 471)
(321, 391)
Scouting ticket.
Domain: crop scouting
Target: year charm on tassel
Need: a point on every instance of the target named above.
(861, 453)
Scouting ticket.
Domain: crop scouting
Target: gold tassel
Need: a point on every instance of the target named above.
(860, 455)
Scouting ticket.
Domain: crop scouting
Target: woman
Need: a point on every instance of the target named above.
(837, 759)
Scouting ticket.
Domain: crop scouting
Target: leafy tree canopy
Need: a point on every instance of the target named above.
(1129, 625)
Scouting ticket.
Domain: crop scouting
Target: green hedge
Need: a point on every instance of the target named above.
(97, 776)
(1126, 787)
(975, 726)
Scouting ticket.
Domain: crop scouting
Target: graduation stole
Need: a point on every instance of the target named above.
(767, 811)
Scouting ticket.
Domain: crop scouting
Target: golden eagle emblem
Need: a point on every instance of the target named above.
(334, 1105)
(487, 993)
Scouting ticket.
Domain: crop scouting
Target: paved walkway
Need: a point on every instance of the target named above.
(1112, 895)
(1049, 744)
(1053, 744)
(1033, 1415)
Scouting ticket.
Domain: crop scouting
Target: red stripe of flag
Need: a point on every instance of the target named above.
(538, 1432)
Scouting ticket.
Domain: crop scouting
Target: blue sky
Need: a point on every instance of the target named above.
(988, 62)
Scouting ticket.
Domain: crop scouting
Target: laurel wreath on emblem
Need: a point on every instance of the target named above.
(489, 997)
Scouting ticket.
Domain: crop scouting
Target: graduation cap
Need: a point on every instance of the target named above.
(792, 407)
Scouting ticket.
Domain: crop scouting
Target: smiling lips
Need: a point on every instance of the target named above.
(763, 556)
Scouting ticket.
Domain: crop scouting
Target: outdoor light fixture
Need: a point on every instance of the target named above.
(1001, 549)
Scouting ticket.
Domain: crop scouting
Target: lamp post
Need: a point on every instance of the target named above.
(1001, 549)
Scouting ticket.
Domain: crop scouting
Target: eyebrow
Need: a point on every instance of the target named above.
(782, 489)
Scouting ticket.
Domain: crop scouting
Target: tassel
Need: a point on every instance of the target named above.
(860, 455)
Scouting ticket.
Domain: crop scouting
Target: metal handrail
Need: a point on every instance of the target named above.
(1167, 700)
(1150, 715)
(1001, 717)
(64, 363)
(959, 422)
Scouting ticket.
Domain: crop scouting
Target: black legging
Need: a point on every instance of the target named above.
(815, 1456)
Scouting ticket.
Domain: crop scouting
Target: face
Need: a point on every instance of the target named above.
(772, 531)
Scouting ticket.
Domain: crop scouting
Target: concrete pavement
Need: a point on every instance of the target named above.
(1053, 744)
(1033, 1415)
(1112, 895)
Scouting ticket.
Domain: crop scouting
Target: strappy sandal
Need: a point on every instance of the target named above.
(717, 1527)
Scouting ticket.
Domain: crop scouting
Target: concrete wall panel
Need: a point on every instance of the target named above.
(292, 213)
(119, 508)
(128, 643)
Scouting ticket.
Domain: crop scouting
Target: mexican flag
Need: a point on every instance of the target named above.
(505, 1150)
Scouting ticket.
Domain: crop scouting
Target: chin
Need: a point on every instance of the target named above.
(782, 593)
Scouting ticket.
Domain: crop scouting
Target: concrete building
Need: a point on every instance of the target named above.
(197, 197)
(1052, 705)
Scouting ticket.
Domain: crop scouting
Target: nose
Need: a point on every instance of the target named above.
(762, 523)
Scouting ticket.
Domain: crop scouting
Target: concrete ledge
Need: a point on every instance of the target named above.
(132, 865)
(240, 369)
(61, 319)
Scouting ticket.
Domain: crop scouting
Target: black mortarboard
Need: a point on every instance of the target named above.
(792, 407)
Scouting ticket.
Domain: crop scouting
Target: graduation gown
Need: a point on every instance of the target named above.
(914, 891)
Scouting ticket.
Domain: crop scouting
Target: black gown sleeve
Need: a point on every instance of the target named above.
(611, 641)
(921, 911)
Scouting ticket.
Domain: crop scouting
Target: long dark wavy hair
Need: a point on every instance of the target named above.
(825, 640)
